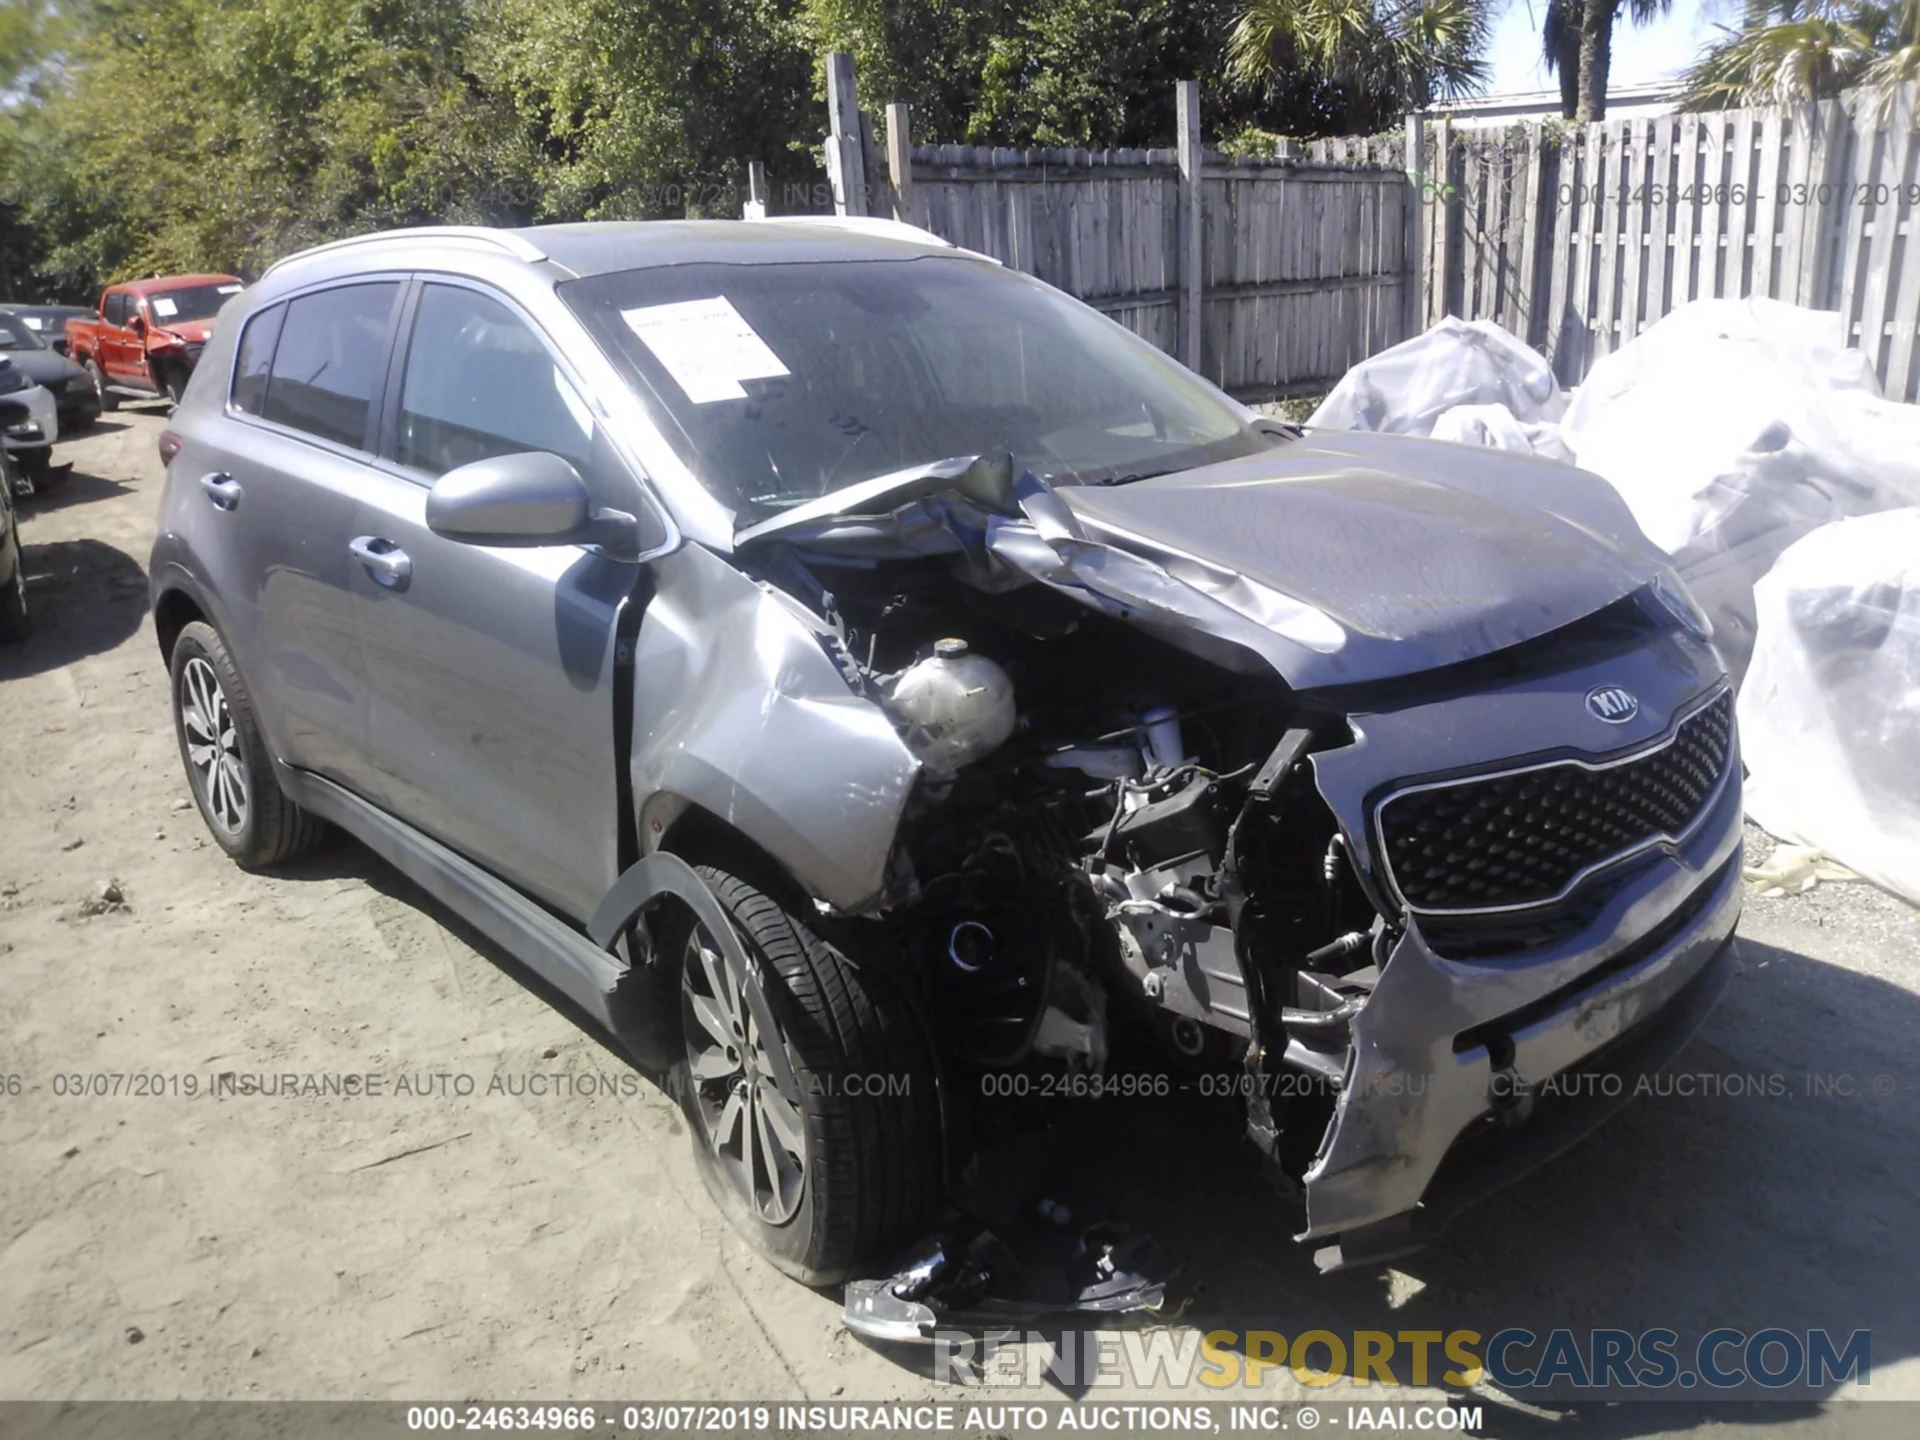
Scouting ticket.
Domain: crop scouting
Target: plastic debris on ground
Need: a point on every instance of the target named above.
(1794, 870)
(1830, 711)
(968, 1276)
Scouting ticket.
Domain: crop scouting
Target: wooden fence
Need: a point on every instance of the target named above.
(1302, 268)
(1577, 239)
(1273, 276)
(1270, 277)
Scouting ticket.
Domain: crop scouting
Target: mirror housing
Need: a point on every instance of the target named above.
(536, 498)
(137, 323)
(531, 498)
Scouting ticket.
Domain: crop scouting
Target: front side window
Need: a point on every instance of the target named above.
(779, 383)
(479, 383)
(325, 369)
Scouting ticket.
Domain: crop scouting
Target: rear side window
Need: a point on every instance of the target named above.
(325, 368)
(479, 383)
(114, 312)
(256, 355)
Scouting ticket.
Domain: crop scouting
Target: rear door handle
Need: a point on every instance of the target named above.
(385, 561)
(222, 489)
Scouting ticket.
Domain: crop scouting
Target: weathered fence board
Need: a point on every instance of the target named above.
(1301, 265)
(1817, 205)
(1575, 238)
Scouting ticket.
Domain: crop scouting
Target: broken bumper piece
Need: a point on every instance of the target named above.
(950, 1281)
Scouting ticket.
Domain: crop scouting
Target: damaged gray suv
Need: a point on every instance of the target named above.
(858, 676)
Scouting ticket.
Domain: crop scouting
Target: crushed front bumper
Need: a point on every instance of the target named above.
(1444, 1099)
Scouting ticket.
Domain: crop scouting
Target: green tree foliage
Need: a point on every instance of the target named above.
(215, 133)
(643, 110)
(1349, 66)
(1786, 51)
(140, 137)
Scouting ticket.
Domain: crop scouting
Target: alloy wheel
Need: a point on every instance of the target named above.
(213, 746)
(755, 1127)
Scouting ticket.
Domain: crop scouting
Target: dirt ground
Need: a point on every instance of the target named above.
(558, 1245)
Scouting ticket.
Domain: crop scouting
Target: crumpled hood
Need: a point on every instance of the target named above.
(1424, 553)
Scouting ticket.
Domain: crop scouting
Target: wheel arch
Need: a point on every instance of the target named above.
(175, 608)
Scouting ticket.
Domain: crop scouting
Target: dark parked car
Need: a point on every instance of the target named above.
(75, 398)
(871, 683)
(49, 322)
(14, 622)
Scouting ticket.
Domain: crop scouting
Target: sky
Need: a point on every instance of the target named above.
(1641, 53)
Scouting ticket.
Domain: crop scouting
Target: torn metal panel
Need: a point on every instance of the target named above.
(739, 709)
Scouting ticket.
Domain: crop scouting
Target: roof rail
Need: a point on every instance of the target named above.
(863, 225)
(513, 244)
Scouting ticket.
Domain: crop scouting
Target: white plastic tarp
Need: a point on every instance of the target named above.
(1830, 711)
(1730, 427)
(1406, 389)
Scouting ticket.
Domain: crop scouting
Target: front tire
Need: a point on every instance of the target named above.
(228, 768)
(840, 1167)
(108, 400)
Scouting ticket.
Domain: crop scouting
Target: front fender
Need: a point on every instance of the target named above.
(738, 709)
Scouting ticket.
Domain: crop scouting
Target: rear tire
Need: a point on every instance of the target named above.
(108, 400)
(228, 768)
(843, 1167)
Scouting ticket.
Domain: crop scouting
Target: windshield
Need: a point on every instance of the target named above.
(782, 383)
(16, 335)
(200, 302)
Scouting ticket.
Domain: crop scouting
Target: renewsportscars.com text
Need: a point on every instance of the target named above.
(1514, 1359)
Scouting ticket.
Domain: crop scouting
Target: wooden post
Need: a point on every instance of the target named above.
(1416, 319)
(756, 205)
(900, 160)
(846, 162)
(1187, 108)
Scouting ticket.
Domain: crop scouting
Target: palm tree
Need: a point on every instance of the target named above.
(1357, 65)
(1577, 43)
(1791, 50)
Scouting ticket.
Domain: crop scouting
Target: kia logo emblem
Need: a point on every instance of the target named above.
(1612, 704)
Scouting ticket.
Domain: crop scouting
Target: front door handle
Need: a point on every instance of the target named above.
(222, 489)
(385, 561)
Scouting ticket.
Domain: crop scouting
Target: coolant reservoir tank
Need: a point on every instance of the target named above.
(959, 704)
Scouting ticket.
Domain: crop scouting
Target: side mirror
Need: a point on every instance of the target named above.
(137, 324)
(531, 498)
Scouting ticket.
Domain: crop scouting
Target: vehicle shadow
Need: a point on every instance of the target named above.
(1767, 1185)
(342, 857)
(1776, 1192)
(84, 596)
(78, 488)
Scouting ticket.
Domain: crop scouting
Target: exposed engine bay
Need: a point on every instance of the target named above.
(1163, 788)
(1109, 832)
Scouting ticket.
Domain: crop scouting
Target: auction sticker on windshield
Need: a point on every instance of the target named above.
(706, 345)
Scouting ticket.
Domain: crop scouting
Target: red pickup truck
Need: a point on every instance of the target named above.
(147, 334)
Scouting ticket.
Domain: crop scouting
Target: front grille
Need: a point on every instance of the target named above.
(1497, 842)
